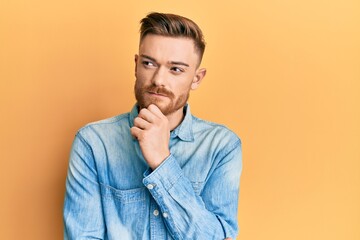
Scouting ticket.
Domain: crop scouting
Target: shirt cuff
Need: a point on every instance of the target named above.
(165, 175)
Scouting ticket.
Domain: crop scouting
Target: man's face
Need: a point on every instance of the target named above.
(166, 70)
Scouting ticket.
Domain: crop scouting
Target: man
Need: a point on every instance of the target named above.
(157, 172)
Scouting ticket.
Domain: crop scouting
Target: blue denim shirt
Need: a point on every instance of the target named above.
(111, 193)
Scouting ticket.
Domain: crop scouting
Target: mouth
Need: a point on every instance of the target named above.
(156, 94)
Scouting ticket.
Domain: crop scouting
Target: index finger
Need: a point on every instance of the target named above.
(155, 110)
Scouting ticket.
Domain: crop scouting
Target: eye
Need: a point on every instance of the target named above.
(148, 64)
(177, 70)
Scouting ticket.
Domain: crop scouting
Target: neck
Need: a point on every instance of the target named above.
(175, 118)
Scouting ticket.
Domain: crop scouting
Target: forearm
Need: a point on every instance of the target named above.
(185, 213)
(82, 207)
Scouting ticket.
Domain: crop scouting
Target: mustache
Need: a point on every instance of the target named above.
(159, 90)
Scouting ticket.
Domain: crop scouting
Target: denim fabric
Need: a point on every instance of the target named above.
(111, 193)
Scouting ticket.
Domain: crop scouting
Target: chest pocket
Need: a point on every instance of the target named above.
(123, 196)
(126, 208)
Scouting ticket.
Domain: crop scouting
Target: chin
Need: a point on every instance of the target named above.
(165, 109)
(146, 104)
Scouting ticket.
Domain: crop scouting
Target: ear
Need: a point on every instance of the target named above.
(199, 75)
(136, 60)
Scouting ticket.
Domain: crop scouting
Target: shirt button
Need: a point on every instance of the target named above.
(150, 186)
(165, 215)
(156, 212)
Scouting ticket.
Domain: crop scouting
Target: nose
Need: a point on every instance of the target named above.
(159, 77)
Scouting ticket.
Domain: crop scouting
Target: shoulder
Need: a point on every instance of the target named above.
(105, 126)
(107, 121)
(217, 132)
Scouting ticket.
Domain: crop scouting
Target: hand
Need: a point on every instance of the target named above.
(151, 129)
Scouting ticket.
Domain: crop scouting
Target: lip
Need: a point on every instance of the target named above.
(156, 94)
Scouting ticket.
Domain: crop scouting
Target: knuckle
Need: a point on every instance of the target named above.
(143, 135)
(143, 111)
(152, 108)
(137, 120)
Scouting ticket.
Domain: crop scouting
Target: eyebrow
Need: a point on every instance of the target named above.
(171, 62)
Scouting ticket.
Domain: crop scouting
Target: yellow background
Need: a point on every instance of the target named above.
(284, 75)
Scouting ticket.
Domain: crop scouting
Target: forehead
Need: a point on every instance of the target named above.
(165, 49)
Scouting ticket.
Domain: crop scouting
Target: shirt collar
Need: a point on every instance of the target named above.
(184, 131)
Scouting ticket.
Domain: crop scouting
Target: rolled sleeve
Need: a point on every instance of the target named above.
(212, 215)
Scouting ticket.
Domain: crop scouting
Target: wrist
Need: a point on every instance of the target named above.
(158, 160)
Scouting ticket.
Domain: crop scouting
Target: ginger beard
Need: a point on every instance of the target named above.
(144, 99)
